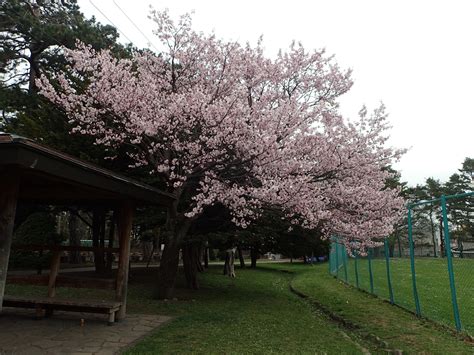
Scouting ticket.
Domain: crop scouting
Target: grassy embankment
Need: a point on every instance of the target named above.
(432, 285)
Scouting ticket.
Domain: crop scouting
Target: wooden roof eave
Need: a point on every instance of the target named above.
(27, 158)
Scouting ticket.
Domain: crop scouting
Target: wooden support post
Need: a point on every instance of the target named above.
(39, 312)
(53, 273)
(8, 201)
(111, 319)
(124, 226)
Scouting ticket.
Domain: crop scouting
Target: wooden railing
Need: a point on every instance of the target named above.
(54, 280)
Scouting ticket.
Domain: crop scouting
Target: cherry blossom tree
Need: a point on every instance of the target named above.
(220, 122)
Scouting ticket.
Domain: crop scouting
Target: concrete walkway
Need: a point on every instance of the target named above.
(20, 333)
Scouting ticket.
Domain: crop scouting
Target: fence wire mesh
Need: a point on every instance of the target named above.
(428, 270)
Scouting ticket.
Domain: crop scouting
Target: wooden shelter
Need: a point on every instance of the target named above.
(34, 173)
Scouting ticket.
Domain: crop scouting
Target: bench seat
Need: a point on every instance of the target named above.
(49, 304)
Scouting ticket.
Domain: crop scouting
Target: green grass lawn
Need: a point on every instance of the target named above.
(432, 284)
(257, 313)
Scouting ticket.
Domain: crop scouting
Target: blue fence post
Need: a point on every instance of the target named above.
(337, 259)
(356, 267)
(330, 258)
(447, 247)
(344, 262)
(371, 276)
(387, 263)
(412, 264)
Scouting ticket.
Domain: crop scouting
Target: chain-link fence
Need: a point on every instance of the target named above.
(429, 270)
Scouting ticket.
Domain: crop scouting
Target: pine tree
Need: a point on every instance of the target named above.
(32, 35)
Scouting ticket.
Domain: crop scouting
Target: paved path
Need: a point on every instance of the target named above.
(20, 333)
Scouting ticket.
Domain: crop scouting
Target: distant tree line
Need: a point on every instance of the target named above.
(427, 219)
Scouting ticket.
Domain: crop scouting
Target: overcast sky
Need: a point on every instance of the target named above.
(417, 57)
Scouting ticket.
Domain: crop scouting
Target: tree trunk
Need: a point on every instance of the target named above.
(226, 262)
(74, 239)
(198, 253)
(433, 233)
(177, 227)
(110, 256)
(192, 255)
(147, 249)
(98, 235)
(190, 265)
(253, 257)
(33, 72)
(399, 246)
(229, 268)
(168, 270)
(156, 247)
(441, 238)
(150, 257)
(241, 258)
(157, 244)
(206, 256)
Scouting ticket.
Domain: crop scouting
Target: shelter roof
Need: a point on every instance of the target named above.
(51, 176)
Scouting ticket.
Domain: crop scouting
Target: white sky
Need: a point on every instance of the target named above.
(415, 56)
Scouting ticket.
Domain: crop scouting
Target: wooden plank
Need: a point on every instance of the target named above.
(124, 227)
(45, 306)
(85, 282)
(62, 301)
(53, 273)
(37, 247)
(8, 202)
(28, 279)
(64, 281)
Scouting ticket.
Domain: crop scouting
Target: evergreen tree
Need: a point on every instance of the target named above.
(461, 210)
(32, 34)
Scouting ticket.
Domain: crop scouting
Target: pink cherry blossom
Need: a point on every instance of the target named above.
(220, 122)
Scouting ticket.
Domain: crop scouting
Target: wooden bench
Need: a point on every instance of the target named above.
(48, 305)
(114, 309)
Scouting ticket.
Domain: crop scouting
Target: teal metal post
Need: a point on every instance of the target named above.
(412, 264)
(331, 258)
(452, 284)
(387, 263)
(356, 269)
(344, 262)
(337, 260)
(371, 276)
